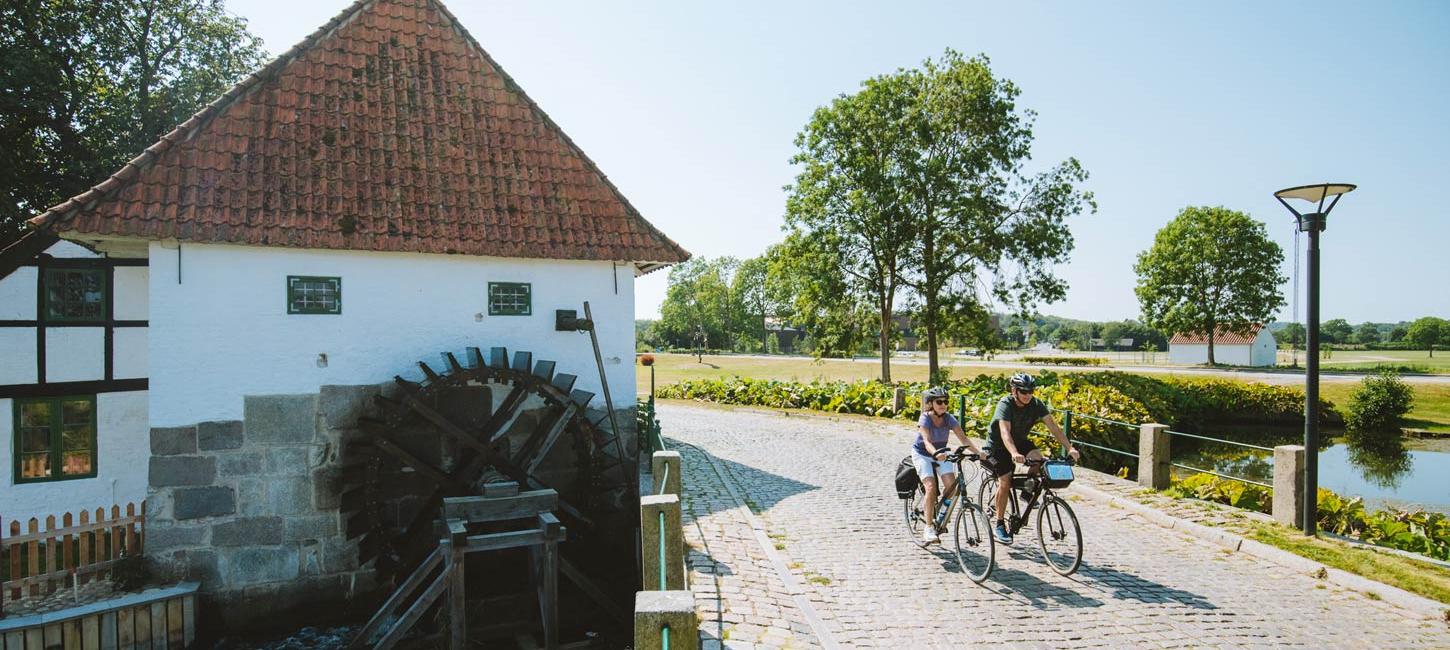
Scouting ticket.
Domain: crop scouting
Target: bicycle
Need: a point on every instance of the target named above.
(1061, 537)
(971, 530)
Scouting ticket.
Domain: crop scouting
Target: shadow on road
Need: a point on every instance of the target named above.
(1121, 585)
(764, 491)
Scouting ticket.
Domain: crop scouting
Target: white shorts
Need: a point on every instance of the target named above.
(923, 466)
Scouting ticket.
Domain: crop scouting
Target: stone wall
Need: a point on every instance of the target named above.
(250, 509)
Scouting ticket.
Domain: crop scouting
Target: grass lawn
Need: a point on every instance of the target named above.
(1351, 359)
(1431, 411)
(1429, 580)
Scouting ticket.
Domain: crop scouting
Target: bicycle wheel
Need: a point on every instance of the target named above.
(976, 550)
(911, 511)
(1059, 535)
(987, 495)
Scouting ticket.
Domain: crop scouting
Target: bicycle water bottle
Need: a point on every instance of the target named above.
(941, 513)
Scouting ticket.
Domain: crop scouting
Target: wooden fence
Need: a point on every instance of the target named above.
(73, 551)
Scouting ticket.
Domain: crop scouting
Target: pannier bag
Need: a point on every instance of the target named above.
(906, 480)
(1058, 473)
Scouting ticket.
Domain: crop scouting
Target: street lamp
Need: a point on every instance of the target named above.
(1312, 223)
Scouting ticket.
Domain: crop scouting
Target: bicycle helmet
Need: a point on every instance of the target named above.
(1023, 381)
(935, 392)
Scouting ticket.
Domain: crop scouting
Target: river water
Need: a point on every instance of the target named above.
(1415, 477)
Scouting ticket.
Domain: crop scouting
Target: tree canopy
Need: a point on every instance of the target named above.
(88, 85)
(1210, 270)
(1427, 332)
(920, 175)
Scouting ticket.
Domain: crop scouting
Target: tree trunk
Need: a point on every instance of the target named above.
(885, 339)
(932, 367)
(1210, 344)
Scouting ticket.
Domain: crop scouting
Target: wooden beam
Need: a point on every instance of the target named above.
(399, 595)
(498, 541)
(416, 463)
(479, 509)
(553, 436)
(415, 612)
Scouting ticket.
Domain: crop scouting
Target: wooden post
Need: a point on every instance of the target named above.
(898, 400)
(453, 548)
(1153, 456)
(665, 466)
(549, 578)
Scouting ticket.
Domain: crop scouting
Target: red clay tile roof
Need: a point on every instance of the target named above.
(1223, 337)
(387, 129)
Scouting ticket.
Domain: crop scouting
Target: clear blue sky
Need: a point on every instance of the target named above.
(691, 109)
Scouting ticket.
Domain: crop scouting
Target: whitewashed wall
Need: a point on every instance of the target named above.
(1237, 355)
(223, 332)
(1265, 352)
(122, 463)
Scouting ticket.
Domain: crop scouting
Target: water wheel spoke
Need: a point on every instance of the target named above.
(428, 372)
(452, 362)
(416, 463)
(550, 437)
(498, 358)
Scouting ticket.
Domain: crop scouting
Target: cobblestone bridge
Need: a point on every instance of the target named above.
(796, 540)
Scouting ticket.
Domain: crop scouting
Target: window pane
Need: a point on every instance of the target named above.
(75, 294)
(309, 295)
(76, 412)
(34, 439)
(35, 414)
(76, 438)
(35, 465)
(508, 298)
(76, 463)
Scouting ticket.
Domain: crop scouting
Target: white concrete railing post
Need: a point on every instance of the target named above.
(656, 611)
(1289, 462)
(665, 466)
(1153, 456)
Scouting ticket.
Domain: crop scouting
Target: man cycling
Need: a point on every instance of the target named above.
(1008, 444)
(929, 452)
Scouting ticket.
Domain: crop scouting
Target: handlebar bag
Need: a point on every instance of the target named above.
(1058, 473)
(906, 479)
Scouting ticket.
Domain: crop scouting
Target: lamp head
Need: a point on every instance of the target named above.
(1316, 194)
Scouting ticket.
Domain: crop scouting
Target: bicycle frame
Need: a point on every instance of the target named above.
(951, 508)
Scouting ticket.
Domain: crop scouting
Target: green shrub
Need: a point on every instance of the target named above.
(1379, 404)
(1064, 361)
(1238, 494)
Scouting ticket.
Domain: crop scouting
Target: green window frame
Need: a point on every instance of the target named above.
(74, 294)
(55, 439)
(313, 294)
(510, 299)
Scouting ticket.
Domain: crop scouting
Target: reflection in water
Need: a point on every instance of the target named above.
(1382, 463)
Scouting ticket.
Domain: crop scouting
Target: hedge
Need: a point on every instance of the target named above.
(1064, 361)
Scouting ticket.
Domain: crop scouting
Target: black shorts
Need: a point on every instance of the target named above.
(999, 461)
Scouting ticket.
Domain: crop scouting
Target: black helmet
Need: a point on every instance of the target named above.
(935, 392)
(1022, 381)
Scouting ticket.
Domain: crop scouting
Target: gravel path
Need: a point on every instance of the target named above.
(797, 541)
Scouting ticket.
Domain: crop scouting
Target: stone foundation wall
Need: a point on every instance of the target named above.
(250, 508)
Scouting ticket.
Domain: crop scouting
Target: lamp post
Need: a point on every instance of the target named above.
(1312, 223)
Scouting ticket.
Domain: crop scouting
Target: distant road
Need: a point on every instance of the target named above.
(1268, 377)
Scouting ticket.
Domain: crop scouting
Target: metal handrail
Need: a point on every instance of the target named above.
(1094, 417)
(1231, 478)
(664, 480)
(1116, 451)
(1228, 442)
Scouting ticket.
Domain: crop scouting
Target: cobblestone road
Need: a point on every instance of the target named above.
(796, 541)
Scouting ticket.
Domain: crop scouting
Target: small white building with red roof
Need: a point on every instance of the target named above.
(1254, 348)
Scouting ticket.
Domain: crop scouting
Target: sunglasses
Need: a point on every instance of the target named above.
(938, 401)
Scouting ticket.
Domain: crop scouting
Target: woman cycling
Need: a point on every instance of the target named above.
(929, 452)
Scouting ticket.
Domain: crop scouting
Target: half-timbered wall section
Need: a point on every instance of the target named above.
(73, 401)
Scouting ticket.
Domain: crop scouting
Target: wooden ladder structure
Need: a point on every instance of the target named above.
(443, 570)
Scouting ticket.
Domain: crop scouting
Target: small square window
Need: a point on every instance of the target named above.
(75, 294)
(509, 299)
(314, 295)
(55, 439)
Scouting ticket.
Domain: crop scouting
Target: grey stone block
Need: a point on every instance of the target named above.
(171, 471)
(197, 502)
(200, 565)
(241, 463)
(253, 566)
(252, 497)
(339, 555)
(250, 531)
(280, 418)
(217, 436)
(171, 441)
(341, 406)
(161, 539)
(326, 488)
(290, 496)
(288, 461)
(310, 528)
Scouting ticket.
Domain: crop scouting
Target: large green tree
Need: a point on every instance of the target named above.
(986, 232)
(1427, 332)
(838, 318)
(697, 308)
(87, 85)
(847, 196)
(1209, 270)
(1336, 330)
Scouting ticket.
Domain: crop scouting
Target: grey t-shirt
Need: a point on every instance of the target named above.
(1021, 418)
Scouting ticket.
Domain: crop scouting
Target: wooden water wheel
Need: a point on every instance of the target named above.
(483, 420)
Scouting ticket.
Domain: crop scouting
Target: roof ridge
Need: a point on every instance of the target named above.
(193, 124)
(538, 110)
